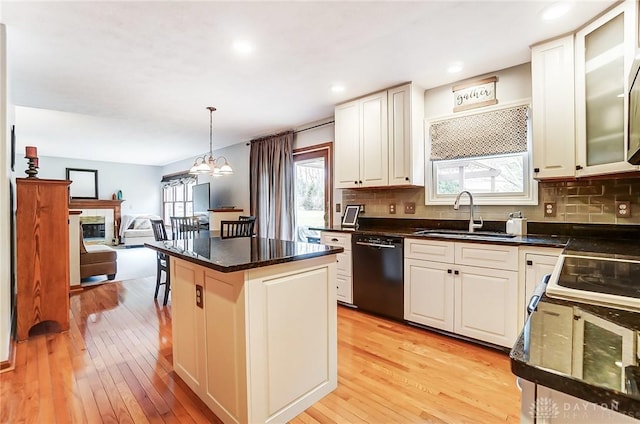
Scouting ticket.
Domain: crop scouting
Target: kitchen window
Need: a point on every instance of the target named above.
(486, 153)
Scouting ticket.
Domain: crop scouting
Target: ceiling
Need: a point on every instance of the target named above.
(137, 76)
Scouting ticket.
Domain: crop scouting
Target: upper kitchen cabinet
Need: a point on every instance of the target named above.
(552, 78)
(604, 53)
(579, 97)
(406, 135)
(379, 139)
(361, 142)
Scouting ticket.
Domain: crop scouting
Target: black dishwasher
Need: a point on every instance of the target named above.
(378, 284)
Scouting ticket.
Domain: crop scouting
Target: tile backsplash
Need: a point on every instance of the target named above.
(580, 201)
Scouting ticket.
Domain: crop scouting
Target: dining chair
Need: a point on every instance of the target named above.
(184, 226)
(234, 229)
(160, 234)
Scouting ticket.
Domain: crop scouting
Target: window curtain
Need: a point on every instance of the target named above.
(272, 186)
(482, 134)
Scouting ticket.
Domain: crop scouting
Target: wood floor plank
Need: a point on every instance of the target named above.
(114, 365)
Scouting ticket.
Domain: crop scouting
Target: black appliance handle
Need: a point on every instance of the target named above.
(386, 246)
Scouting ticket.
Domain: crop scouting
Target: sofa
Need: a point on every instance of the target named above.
(97, 259)
(136, 229)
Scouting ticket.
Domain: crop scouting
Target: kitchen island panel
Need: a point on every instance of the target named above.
(258, 345)
(293, 320)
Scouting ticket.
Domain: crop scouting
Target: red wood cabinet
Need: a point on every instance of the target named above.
(42, 250)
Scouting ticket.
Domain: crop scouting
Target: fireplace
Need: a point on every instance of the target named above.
(93, 229)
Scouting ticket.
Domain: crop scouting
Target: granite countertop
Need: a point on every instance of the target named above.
(576, 348)
(237, 254)
(587, 351)
(541, 240)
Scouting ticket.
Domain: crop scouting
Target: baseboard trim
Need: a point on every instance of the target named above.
(9, 364)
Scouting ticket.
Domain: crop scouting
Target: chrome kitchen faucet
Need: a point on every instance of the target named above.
(472, 223)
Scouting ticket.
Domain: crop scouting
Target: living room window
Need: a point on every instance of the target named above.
(485, 153)
(177, 197)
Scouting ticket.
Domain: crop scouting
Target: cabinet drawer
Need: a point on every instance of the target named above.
(343, 265)
(432, 250)
(336, 239)
(487, 255)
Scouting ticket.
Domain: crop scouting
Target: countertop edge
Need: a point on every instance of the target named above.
(528, 240)
(246, 266)
(611, 399)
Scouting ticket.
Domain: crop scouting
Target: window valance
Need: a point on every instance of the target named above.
(179, 178)
(491, 133)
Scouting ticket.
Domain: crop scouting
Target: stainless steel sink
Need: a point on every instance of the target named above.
(463, 234)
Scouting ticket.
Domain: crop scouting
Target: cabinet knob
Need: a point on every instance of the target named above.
(578, 167)
(456, 272)
(449, 271)
(334, 239)
(355, 182)
(536, 170)
(406, 178)
(359, 182)
(529, 263)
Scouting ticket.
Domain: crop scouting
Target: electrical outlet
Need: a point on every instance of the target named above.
(549, 209)
(623, 209)
(337, 207)
(392, 208)
(361, 208)
(410, 207)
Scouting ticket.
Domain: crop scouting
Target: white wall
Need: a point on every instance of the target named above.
(229, 190)
(5, 212)
(513, 84)
(323, 134)
(140, 184)
(233, 190)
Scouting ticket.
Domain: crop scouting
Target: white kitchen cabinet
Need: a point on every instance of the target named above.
(258, 345)
(406, 135)
(187, 323)
(467, 288)
(379, 139)
(604, 52)
(361, 142)
(347, 145)
(486, 304)
(535, 263)
(429, 293)
(552, 80)
(344, 278)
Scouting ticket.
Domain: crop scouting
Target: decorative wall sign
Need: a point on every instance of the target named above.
(474, 94)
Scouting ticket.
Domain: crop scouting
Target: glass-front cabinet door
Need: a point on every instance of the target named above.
(601, 350)
(604, 53)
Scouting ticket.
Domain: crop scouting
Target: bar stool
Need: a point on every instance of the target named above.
(160, 234)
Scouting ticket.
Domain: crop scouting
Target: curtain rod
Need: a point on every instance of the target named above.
(295, 132)
(315, 126)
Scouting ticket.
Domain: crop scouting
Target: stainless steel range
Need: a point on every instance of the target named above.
(597, 279)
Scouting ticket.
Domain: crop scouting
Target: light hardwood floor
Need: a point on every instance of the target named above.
(114, 365)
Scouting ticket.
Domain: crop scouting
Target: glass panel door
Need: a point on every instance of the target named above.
(312, 193)
(604, 93)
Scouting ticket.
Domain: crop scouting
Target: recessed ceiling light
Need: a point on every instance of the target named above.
(454, 68)
(555, 10)
(337, 88)
(242, 46)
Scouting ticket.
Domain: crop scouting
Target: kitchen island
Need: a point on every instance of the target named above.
(254, 324)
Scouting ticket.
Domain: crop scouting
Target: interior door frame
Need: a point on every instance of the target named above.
(323, 150)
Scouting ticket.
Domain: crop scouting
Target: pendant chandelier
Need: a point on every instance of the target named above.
(207, 164)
